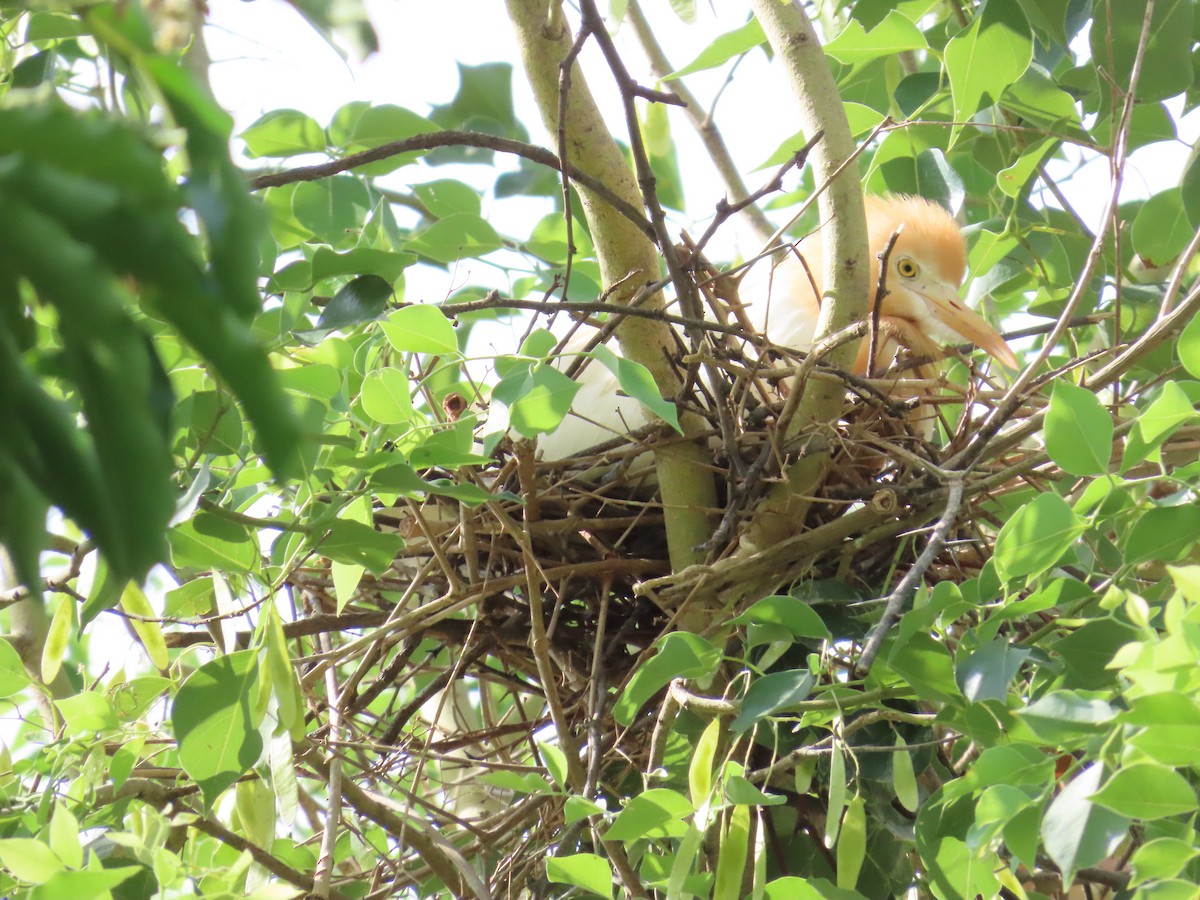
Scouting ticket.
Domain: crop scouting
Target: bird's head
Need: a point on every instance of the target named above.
(925, 268)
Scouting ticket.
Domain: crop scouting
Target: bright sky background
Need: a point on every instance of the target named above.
(266, 57)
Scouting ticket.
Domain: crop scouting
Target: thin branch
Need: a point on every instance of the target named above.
(437, 139)
(710, 136)
(903, 592)
(881, 293)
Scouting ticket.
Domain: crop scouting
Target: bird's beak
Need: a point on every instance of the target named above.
(949, 310)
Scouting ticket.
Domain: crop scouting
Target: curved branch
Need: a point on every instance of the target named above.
(435, 139)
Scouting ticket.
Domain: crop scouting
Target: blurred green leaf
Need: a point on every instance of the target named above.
(212, 723)
(420, 328)
(986, 57)
(363, 299)
(284, 132)
(1036, 537)
(1076, 832)
(724, 48)
(680, 655)
(1146, 791)
(585, 870)
(1079, 430)
(770, 693)
(855, 45)
(1167, 69)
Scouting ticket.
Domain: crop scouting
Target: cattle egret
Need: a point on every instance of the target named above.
(921, 311)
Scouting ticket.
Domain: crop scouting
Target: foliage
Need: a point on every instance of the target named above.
(389, 653)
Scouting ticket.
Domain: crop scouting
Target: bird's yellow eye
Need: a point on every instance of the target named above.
(906, 267)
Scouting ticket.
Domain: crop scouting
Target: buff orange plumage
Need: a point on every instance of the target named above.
(922, 310)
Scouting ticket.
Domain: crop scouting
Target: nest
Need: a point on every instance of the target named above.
(500, 620)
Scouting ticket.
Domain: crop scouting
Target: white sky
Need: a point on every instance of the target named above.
(266, 57)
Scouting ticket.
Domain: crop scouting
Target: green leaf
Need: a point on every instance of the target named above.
(13, 678)
(1188, 347)
(1187, 581)
(772, 692)
(1162, 857)
(986, 57)
(731, 858)
(724, 48)
(64, 834)
(326, 263)
(792, 613)
(938, 181)
(988, 671)
(1167, 69)
(331, 208)
(58, 638)
(132, 698)
(211, 717)
(1147, 791)
(545, 402)
(420, 328)
(925, 664)
(210, 542)
(385, 123)
(385, 397)
(852, 843)
(484, 102)
(636, 381)
(792, 888)
(97, 883)
(519, 782)
(29, 860)
(1079, 430)
(1164, 533)
(457, 237)
(904, 777)
(1087, 651)
(836, 803)
(1013, 764)
(1037, 97)
(284, 132)
(555, 761)
(1014, 178)
(855, 46)
(576, 808)
(447, 197)
(149, 632)
(1171, 745)
(680, 655)
(357, 544)
(1163, 708)
(363, 299)
(1161, 229)
(585, 870)
(1077, 833)
(740, 791)
(700, 769)
(1158, 422)
(658, 812)
(1036, 537)
(1170, 409)
(1062, 716)
(87, 712)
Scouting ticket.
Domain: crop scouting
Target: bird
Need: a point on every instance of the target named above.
(922, 309)
(782, 295)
